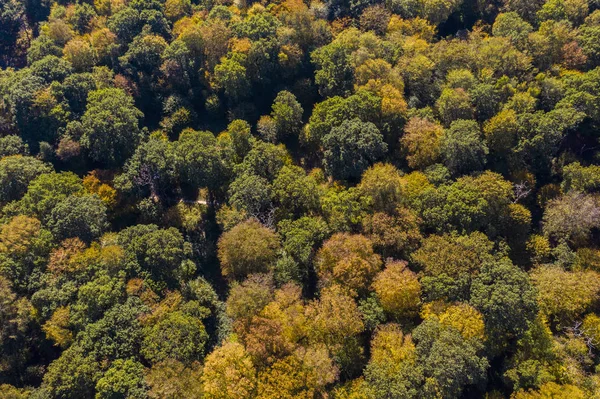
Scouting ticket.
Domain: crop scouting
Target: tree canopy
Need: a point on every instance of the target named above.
(324, 199)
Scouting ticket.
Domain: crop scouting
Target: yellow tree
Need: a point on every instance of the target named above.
(229, 373)
(398, 290)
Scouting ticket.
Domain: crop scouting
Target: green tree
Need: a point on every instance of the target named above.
(13, 145)
(178, 336)
(294, 192)
(201, 165)
(79, 216)
(334, 75)
(287, 114)
(248, 248)
(152, 170)
(511, 25)
(580, 178)
(349, 149)
(301, 237)
(462, 147)
(230, 76)
(124, 379)
(382, 183)
(448, 360)
(73, 375)
(252, 194)
(110, 126)
(504, 295)
(450, 263)
(16, 172)
(46, 191)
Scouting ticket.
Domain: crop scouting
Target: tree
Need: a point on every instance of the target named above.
(504, 295)
(162, 253)
(110, 126)
(571, 218)
(51, 68)
(398, 290)
(294, 192)
(462, 147)
(16, 172)
(349, 149)
(198, 155)
(511, 25)
(99, 342)
(301, 237)
(580, 178)
(375, 18)
(229, 373)
(449, 361)
(421, 142)
(144, 54)
(24, 247)
(501, 132)
(454, 104)
(565, 296)
(177, 9)
(287, 114)
(248, 248)
(344, 209)
(79, 216)
(334, 321)
(471, 203)
(461, 316)
(18, 335)
(11, 21)
(80, 54)
(171, 379)
(393, 369)
(334, 74)
(552, 390)
(125, 378)
(574, 11)
(251, 194)
(437, 11)
(335, 110)
(304, 374)
(72, 375)
(264, 160)
(395, 234)
(12, 145)
(526, 9)
(151, 171)
(48, 190)
(449, 264)
(230, 76)
(249, 298)
(382, 183)
(348, 260)
(178, 336)
(334, 317)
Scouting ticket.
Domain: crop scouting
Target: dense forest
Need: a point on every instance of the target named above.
(348, 199)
